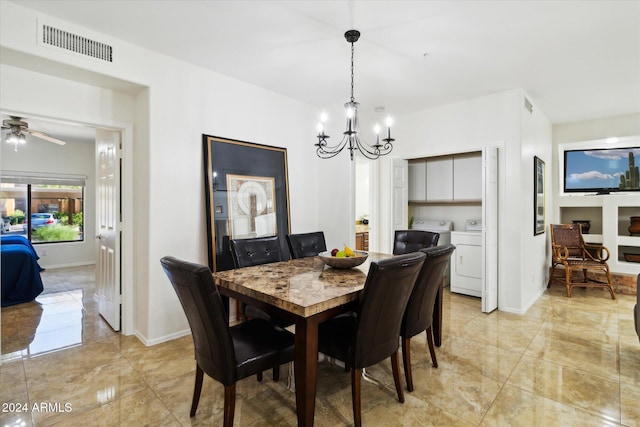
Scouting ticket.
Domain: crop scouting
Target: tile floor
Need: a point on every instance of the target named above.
(566, 362)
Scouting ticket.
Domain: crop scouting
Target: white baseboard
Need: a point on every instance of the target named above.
(162, 339)
(73, 264)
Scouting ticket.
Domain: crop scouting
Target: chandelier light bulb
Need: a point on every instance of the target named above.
(389, 121)
(376, 128)
(349, 113)
(323, 117)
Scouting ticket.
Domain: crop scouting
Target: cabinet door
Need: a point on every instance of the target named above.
(418, 180)
(467, 177)
(440, 179)
(360, 242)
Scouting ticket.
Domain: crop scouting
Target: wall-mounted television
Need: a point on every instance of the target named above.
(602, 170)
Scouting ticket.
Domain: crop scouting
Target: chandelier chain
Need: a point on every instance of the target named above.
(352, 99)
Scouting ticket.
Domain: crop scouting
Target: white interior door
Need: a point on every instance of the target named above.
(400, 195)
(490, 229)
(108, 226)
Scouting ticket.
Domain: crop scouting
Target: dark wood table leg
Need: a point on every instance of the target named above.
(306, 369)
(437, 316)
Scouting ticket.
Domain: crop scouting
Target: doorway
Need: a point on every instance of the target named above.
(435, 192)
(78, 155)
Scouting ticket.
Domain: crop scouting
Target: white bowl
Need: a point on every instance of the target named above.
(346, 262)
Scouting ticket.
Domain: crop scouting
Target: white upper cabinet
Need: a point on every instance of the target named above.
(418, 180)
(467, 177)
(452, 178)
(440, 179)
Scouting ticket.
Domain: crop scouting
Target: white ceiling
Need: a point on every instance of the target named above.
(577, 60)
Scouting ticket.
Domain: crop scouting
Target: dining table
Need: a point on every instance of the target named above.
(305, 292)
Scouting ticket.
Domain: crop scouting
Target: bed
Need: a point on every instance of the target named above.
(20, 271)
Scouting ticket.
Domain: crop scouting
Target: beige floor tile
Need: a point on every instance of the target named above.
(142, 408)
(22, 419)
(585, 336)
(630, 363)
(485, 359)
(86, 389)
(568, 385)
(503, 330)
(581, 355)
(14, 396)
(515, 407)
(160, 363)
(630, 398)
(462, 393)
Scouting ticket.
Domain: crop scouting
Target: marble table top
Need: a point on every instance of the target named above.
(304, 286)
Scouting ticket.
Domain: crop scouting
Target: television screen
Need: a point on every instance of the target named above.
(601, 170)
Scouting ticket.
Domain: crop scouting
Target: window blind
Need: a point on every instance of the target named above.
(42, 178)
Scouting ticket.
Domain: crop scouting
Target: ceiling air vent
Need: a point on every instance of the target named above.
(72, 42)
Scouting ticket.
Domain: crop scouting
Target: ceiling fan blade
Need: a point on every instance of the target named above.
(44, 136)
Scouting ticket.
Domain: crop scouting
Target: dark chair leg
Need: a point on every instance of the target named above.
(432, 348)
(229, 404)
(356, 377)
(406, 361)
(276, 373)
(395, 367)
(259, 376)
(196, 390)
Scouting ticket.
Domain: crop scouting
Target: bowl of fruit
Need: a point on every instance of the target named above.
(346, 258)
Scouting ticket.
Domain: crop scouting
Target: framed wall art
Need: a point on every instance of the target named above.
(247, 195)
(252, 202)
(538, 196)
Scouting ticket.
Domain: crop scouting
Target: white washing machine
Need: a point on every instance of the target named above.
(441, 227)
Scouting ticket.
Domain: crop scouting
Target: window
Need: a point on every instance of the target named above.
(44, 209)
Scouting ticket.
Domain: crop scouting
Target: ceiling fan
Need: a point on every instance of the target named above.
(17, 129)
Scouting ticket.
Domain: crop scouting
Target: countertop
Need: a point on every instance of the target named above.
(361, 228)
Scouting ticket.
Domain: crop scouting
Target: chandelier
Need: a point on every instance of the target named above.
(351, 137)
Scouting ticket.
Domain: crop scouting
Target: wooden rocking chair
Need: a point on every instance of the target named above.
(570, 250)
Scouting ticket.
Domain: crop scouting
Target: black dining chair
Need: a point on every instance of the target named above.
(304, 245)
(407, 241)
(226, 354)
(372, 333)
(418, 316)
(257, 251)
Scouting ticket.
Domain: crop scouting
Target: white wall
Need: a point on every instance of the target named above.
(174, 105)
(535, 250)
(470, 126)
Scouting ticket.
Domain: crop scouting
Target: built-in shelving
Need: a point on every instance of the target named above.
(609, 216)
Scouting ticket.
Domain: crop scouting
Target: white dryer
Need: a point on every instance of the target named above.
(466, 263)
(441, 227)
